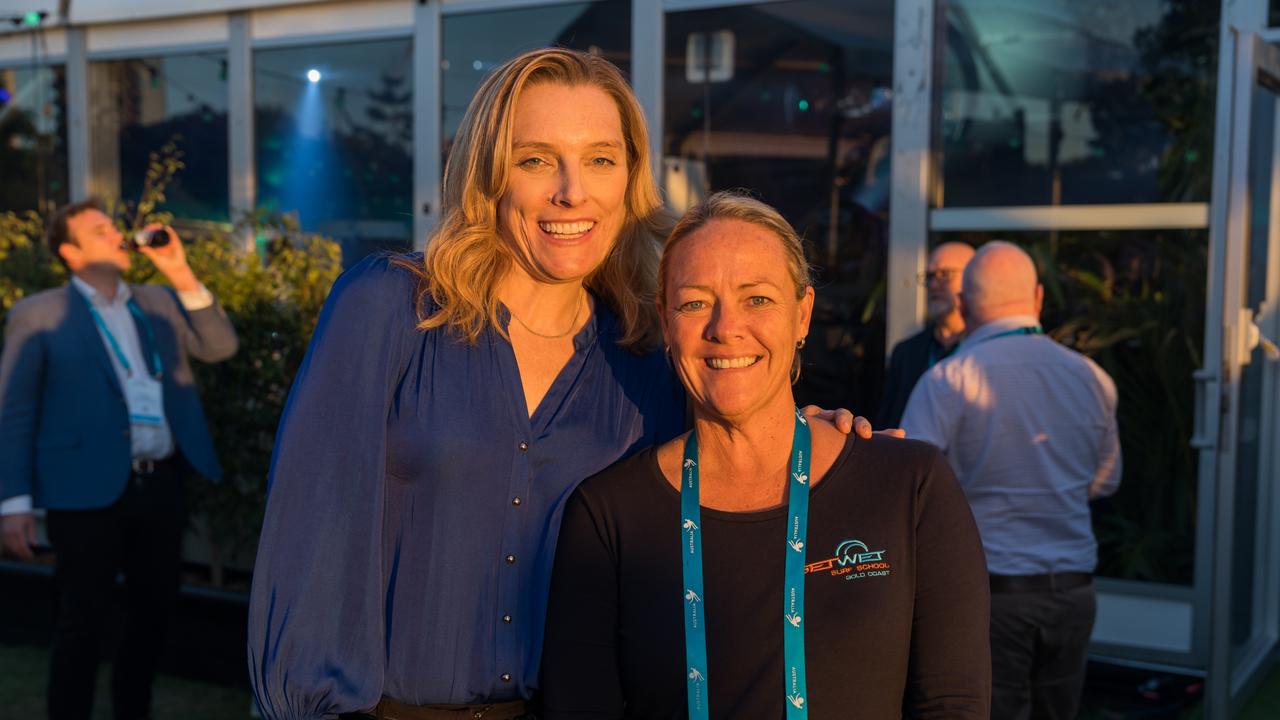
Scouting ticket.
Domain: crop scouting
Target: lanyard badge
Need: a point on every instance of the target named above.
(144, 394)
(695, 633)
(157, 368)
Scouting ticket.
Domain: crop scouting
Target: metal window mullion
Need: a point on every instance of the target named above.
(241, 170)
(913, 52)
(1137, 216)
(77, 69)
(467, 7)
(686, 5)
(1233, 235)
(648, 25)
(1267, 561)
(428, 131)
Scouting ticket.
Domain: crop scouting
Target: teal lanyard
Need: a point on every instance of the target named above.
(1028, 330)
(158, 369)
(695, 619)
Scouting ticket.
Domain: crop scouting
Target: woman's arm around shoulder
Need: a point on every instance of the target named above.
(316, 618)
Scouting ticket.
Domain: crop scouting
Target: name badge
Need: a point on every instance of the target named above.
(144, 396)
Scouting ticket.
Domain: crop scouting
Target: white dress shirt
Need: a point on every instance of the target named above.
(1029, 427)
(153, 441)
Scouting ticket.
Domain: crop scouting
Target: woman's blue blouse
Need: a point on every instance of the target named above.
(414, 503)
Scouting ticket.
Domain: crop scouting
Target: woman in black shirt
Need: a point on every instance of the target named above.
(880, 580)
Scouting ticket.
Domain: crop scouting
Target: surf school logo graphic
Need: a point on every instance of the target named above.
(853, 561)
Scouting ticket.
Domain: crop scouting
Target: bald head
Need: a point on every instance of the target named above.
(999, 281)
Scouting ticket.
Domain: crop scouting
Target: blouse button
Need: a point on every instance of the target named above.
(505, 677)
(516, 501)
(506, 619)
(511, 559)
(524, 446)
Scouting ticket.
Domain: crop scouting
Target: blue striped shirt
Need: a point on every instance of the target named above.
(1029, 427)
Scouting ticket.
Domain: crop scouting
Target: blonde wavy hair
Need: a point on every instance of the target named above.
(467, 257)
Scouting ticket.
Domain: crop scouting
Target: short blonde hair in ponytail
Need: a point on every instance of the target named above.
(466, 257)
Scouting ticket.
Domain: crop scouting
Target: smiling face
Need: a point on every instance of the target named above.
(732, 319)
(565, 201)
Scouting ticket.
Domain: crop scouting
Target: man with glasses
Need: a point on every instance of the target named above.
(913, 356)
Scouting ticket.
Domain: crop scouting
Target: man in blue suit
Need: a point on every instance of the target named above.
(99, 423)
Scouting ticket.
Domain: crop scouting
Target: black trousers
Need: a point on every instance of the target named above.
(1039, 648)
(140, 535)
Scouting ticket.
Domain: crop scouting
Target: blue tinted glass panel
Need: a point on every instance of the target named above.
(792, 101)
(137, 106)
(33, 138)
(1075, 101)
(334, 140)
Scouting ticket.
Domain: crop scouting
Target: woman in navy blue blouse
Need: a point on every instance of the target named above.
(450, 403)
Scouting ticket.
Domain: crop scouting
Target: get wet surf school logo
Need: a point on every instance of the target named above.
(853, 561)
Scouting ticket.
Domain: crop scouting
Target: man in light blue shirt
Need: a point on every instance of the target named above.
(1029, 427)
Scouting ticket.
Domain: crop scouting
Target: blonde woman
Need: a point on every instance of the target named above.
(818, 575)
(450, 403)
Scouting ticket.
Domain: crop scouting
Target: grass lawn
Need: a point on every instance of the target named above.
(23, 670)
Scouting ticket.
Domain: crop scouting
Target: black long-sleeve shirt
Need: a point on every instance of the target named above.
(896, 597)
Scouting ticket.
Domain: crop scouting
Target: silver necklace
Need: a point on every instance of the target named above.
(576, 312)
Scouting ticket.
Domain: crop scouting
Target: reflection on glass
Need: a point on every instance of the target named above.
(1076, 101)
(792, 101)
(476, 44)
(33, 138)
(334, 127)
(137, 106)
(1134, 303)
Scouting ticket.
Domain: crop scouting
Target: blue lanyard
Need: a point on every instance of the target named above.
(695, 619)
(115, 345)
(1028, 330)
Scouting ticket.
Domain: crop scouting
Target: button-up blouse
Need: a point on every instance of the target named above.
(414, 503)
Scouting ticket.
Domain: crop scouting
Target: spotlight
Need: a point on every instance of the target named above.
(313, 75)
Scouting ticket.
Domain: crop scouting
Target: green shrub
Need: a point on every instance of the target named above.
(273, 297)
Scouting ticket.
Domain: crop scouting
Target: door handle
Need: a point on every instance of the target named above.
(1206, 382)
(1252, 335)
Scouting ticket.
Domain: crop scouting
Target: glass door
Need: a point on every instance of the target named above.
(1243, 608)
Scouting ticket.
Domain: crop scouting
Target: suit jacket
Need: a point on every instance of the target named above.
(909, 360)
(64, 425)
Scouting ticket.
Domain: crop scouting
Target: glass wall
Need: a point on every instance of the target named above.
(33, 138)
(334, 141)
(1134, 302)
(138, 106)
(1076, 101)
(474, 44)
(792, 100)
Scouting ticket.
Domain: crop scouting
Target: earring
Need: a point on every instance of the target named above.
(800, 343)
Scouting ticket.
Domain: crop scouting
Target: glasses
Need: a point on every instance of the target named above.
(943, 274)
